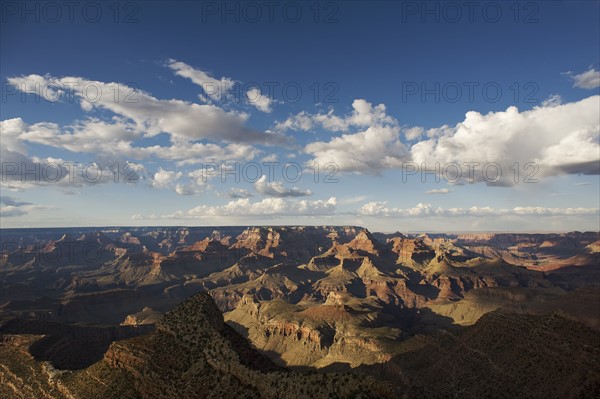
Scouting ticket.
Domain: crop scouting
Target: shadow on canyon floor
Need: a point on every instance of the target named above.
(71, 347)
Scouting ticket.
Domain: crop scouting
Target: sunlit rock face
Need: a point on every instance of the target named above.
(324, 298)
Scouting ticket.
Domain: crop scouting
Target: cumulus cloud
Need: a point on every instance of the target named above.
(276, 189)
(10, 133)
(197, 181)
(258, 100)
(556, 139)
(548, 140)
(368, 152)
(374, 208)
(164, 178)
(424, 210)
(363, 114)
(374, 147)
(414, 133)
(268, 207)
(214, 89)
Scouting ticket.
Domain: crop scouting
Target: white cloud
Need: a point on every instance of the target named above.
(21, 171)
(215, 89)
(376, 147)
(555, 138)
(276, 189)
(91, 136)
(363, 114)
(164, 178)
(424, 210)
(186, 189)
(10, 132)
(38, 85)
(438, 191)
(108, 140)
(552, 101)
(369, 151)
(414, 133)
(197, 181)
(182, 120)
(260, 101)
(374, 208)
(559, 139)
(301, 121)
(268, 207)
(589, 79)
(189, 154)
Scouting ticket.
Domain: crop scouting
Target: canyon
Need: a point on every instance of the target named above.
(340, 301)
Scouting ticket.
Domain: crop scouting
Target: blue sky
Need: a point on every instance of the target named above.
(372, 92)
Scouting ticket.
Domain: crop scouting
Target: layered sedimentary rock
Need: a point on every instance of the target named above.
(322, 297)
(192, 353)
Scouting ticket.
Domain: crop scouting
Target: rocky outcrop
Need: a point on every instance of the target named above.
(364, 241)
(316, 336)
(70, 346)
(411, 252)
(191, 354)
(193, 347)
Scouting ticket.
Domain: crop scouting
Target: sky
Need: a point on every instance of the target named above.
(393, 115)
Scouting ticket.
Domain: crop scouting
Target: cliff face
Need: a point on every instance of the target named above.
(192, 353)
(413, 252)
(305, 296)
(292, 243)
(311, 336)
(63, 272)
(364, 241)
(403, 283)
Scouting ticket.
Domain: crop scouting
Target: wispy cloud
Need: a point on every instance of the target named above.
(10, 207)
(213, 89)
(439, 191)
(424, 210)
